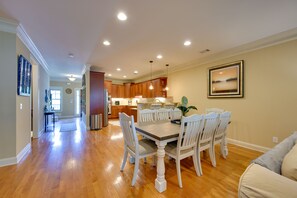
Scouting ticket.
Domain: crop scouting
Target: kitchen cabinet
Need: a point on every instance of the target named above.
(117, 91)
(115, 110)
(121, 91)
(127, 92)
(107, 85)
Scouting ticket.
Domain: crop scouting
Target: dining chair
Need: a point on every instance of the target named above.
(220, 134)
(206, 137)
(146, 115)
(215, 110)
(175, 114)
(186, 144)
(136, 148)
(162, 114)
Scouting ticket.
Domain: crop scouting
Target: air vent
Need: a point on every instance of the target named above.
(205, 51)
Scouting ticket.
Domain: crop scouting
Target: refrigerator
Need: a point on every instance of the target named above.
(106, 107)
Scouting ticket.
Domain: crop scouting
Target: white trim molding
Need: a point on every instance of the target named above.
(248, 145)
(8, 161)
(23, 152)
(9, 26)
(22, 34)
(17, 159)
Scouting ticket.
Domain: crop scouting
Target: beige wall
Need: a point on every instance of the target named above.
(269, 106)
(68, 102)
(40, 83)
(8, 84)
(23, 116)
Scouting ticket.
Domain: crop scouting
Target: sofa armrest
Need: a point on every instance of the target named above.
(258, 181)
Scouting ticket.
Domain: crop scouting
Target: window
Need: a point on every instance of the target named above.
(56, 99)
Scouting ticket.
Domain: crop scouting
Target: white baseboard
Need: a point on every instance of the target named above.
(8, 161)
(248, 145)
(23, 152)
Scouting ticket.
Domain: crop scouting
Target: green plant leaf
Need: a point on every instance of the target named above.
(184, 101)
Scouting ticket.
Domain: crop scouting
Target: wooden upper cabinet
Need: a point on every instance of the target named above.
(127, 93)
(114, 91)
(132, 90)
(121, 91)
(107, 85)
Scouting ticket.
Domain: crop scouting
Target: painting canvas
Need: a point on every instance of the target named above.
(226, 80)
(24, 76)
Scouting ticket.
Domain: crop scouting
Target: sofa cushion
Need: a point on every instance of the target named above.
(289, 165)
(273, 158)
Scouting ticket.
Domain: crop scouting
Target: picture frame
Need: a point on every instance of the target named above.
(24, 76)
(226, 81)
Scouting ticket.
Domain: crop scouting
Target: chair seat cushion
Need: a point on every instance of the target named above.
(147, 146)
(171, 149)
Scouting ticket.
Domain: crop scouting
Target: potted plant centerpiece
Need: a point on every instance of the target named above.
(184, 108)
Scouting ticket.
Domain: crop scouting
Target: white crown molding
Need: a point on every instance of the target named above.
(87, 67)
(22, 34)
(276, 39)
(248, 145)
(23, 152)
(7, 25)
(66, 80)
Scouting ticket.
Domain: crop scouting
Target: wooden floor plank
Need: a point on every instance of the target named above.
(87, 164)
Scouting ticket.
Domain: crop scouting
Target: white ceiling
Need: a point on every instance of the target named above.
(60, 27)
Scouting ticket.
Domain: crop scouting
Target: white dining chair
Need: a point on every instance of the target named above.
(186, 144)
(220, 134)
(162, 114)
(206, 138)
(146, 115)
(214, 110)
(175, 114)
(136, 148)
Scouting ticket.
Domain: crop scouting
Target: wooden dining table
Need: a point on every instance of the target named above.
(161, 133)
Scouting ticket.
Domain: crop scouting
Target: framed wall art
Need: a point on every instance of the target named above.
(24, 76)
(226, 81)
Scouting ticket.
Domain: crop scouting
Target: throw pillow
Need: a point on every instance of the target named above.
(289, 165)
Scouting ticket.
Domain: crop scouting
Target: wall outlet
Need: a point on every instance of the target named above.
(21, 106)
(275, 139)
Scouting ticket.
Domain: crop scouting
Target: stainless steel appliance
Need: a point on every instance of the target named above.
(106, 107)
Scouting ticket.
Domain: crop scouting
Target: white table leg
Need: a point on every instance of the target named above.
(160, 181)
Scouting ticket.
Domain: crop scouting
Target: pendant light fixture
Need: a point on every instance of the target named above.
(72, 78)
(151, 87)
(167, 88)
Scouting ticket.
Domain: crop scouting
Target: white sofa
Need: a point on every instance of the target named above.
(263, 178)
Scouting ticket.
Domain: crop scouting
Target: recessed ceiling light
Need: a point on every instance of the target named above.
(118, 69)
(106, 43)
(124, 76)
(159, 56)
(122, 16)
(109, 74)
(70, 55)
(187, 43)
(135, 72)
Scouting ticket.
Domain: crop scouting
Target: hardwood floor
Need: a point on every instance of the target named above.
(87, 164)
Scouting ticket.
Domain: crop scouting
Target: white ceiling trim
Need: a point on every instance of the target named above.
(8, 25)
(22, 34)
(276, 39)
